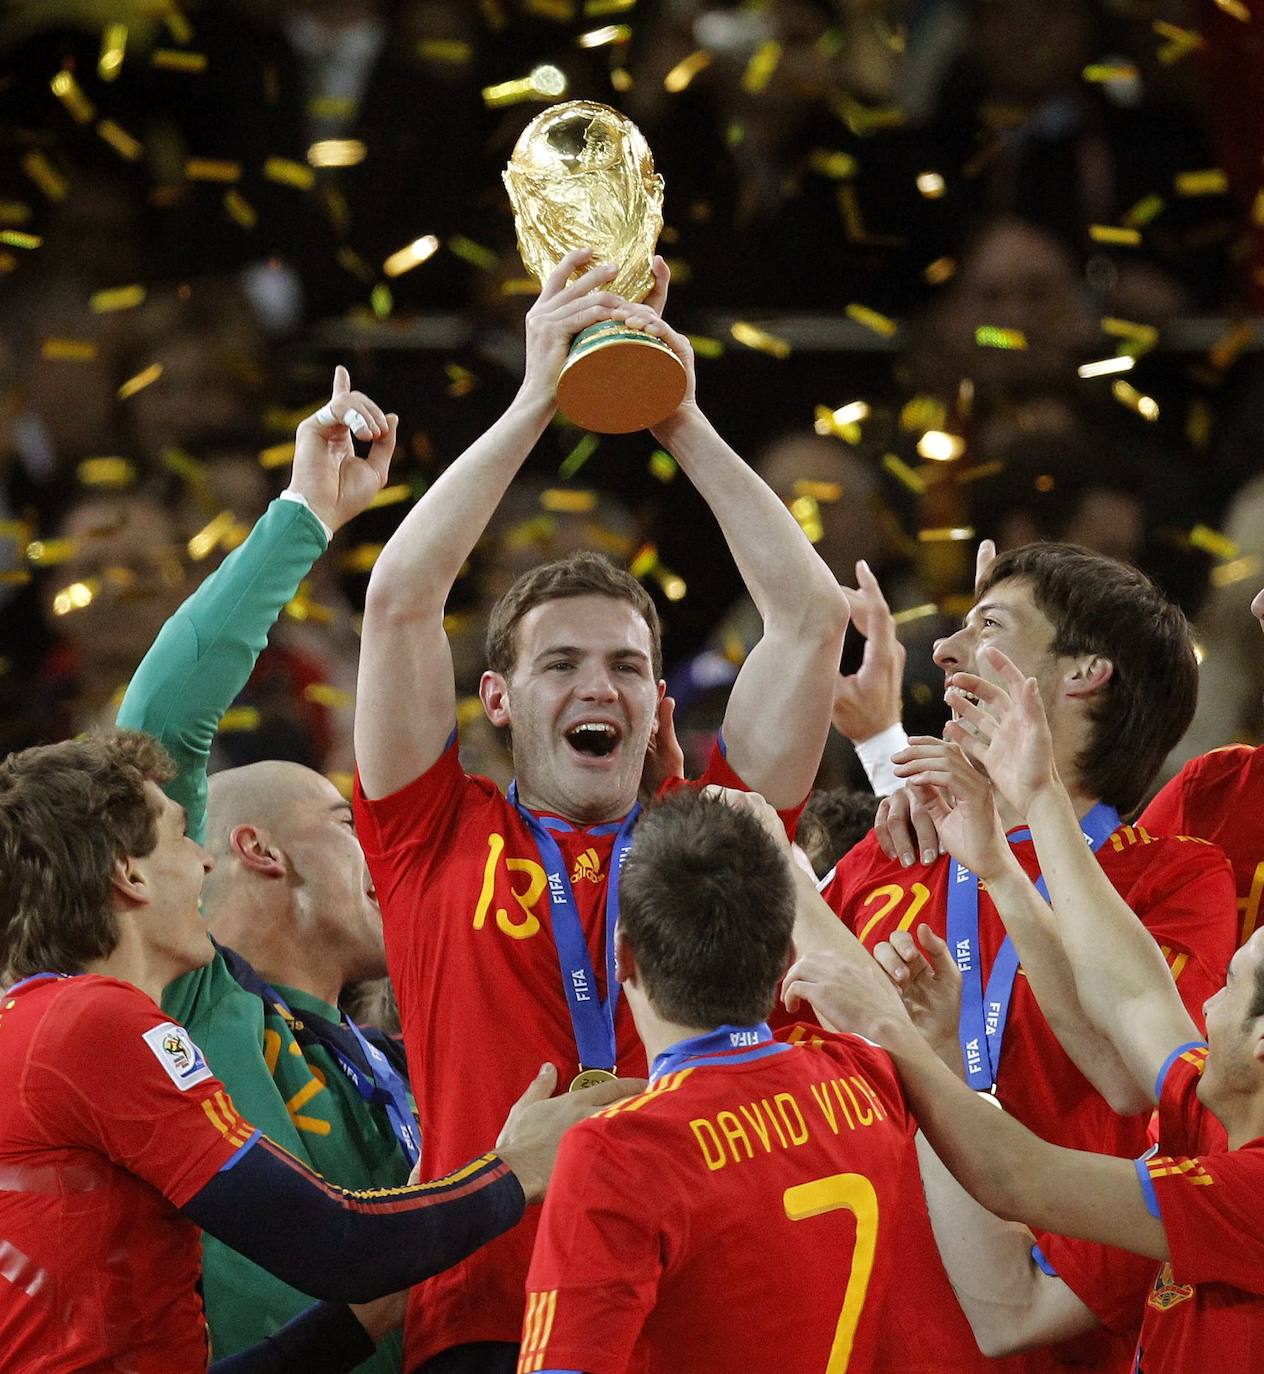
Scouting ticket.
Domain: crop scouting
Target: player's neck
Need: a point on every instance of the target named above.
(577, 815)
(658, 1034)
(130, 962)
(1080, 801)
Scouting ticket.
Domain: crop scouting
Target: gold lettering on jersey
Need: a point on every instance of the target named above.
(891, 895)
(754, 1129)
(517, 927)
(1249, 903)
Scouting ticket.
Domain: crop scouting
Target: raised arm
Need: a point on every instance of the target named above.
(208, 649)
(779, 710)
(1121, 979)
(406, 697)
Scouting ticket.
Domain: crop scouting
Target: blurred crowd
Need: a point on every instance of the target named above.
(953, 269)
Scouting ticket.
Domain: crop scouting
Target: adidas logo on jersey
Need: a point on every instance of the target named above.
(588, 865)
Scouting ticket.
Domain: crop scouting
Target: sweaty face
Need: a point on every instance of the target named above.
(175, 869)
(320, 840)
(1232, 1033)
(582, 702)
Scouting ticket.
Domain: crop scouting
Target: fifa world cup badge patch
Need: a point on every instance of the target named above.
(1167, 1292)
(173, 1048)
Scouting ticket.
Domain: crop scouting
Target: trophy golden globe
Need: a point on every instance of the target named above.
(581, 176)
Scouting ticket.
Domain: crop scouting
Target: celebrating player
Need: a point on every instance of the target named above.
(1220, 797)
(1193, 1205)
(499, 915)
(1117, 672)
(116, 1140)
(741, 1212)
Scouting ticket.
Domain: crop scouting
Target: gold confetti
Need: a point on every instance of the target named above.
(454, 52)
(1100, 72)
(1111, 233)
(411, 255)
(360, 559)
(183, 464)
(210, 536)
(336, 152)
(662, 465)
(519, 286)
(15, 238)
(927, 608)
(211, 169)
(178, 26)
(1124, 363)
(544, 83)
(303, 608)
(645, 559)
(1127, 394)
(239, 718)
(599, 9)
(391, 496)
(601, 38)
(16, 577)
(120, 140)
(760, 340)
(808, 514)
(173, 60)
(761, 66)
(322, 694)
(1213, 542)
(567, 502)
(939, 446)
(931, 185)
(1210, 181)
(1144, 212)
(461, 381)
(276, 456)
(864, 120)
(901, 471)
(992, 336)
(977, 473)
(578, 456)
(71, 94)
(344, 782)
(937, 272)
(1235, 9)
(871, 319)
(45, 175)
(116, 298)
(673, 586)
(140, 381)
(106, 472)
(240, 209)
(849, 210)
(561, 10)
(14, 212)
(47, 552)
(621, 79)
(474, 253)
(68, 351)
(937, 536)
(113, 49)
(843, 423)
(1237, 570)
(706, 347)
(1146, 334)
(289, 173)
(1230, 347)
(833, 163)
(76, 596)
(680, 76)
(1180, 42)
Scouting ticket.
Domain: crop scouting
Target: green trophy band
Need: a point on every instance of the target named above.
(581, 176)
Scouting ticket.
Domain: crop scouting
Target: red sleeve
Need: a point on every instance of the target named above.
(1111, 1283)
(719, 773)
(598, 1257)
(109, 1072)
(1188, 903)
(1186, 1127)
(418, 815)
(1210, 1204)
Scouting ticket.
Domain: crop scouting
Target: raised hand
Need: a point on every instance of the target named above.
(646, 317)
(752, 802)
(533, 1130)
(1004, 729)
(958, 799)
(869, 700)
(984, 557)
(561, 310)
(929, 984)
(328, 473)
(905, 829)
(848, 993)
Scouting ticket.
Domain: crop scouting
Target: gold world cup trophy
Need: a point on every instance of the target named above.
(581, 176)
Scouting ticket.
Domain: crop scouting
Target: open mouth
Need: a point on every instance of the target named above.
(594, 739)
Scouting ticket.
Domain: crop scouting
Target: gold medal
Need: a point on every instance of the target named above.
(589, 1078)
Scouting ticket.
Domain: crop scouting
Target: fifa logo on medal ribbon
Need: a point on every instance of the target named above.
(587, 866)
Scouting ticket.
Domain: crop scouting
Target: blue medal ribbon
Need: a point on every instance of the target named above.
(985, 1011)
(724, 1045)
(36, 978)
(384, 1086)
(591, 1019)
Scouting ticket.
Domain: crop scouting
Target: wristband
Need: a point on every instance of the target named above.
(875, 753)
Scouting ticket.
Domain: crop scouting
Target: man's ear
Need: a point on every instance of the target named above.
(625, 969)
(493, 692)
(128, 880)
(1090, 675)
(255, 849)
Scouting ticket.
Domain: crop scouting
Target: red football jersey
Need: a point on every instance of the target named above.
(739, 1215)
(470, 950)
(1220, 797)
(1206, 1310)
(1183, 892)
(110, 1119)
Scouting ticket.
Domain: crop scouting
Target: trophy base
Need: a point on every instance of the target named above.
(618, 380)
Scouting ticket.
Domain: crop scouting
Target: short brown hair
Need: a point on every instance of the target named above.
(68, 812)
(581, 574)
(1098, 605)
(706, 901)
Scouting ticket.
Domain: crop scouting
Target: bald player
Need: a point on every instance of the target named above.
(289, 901)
